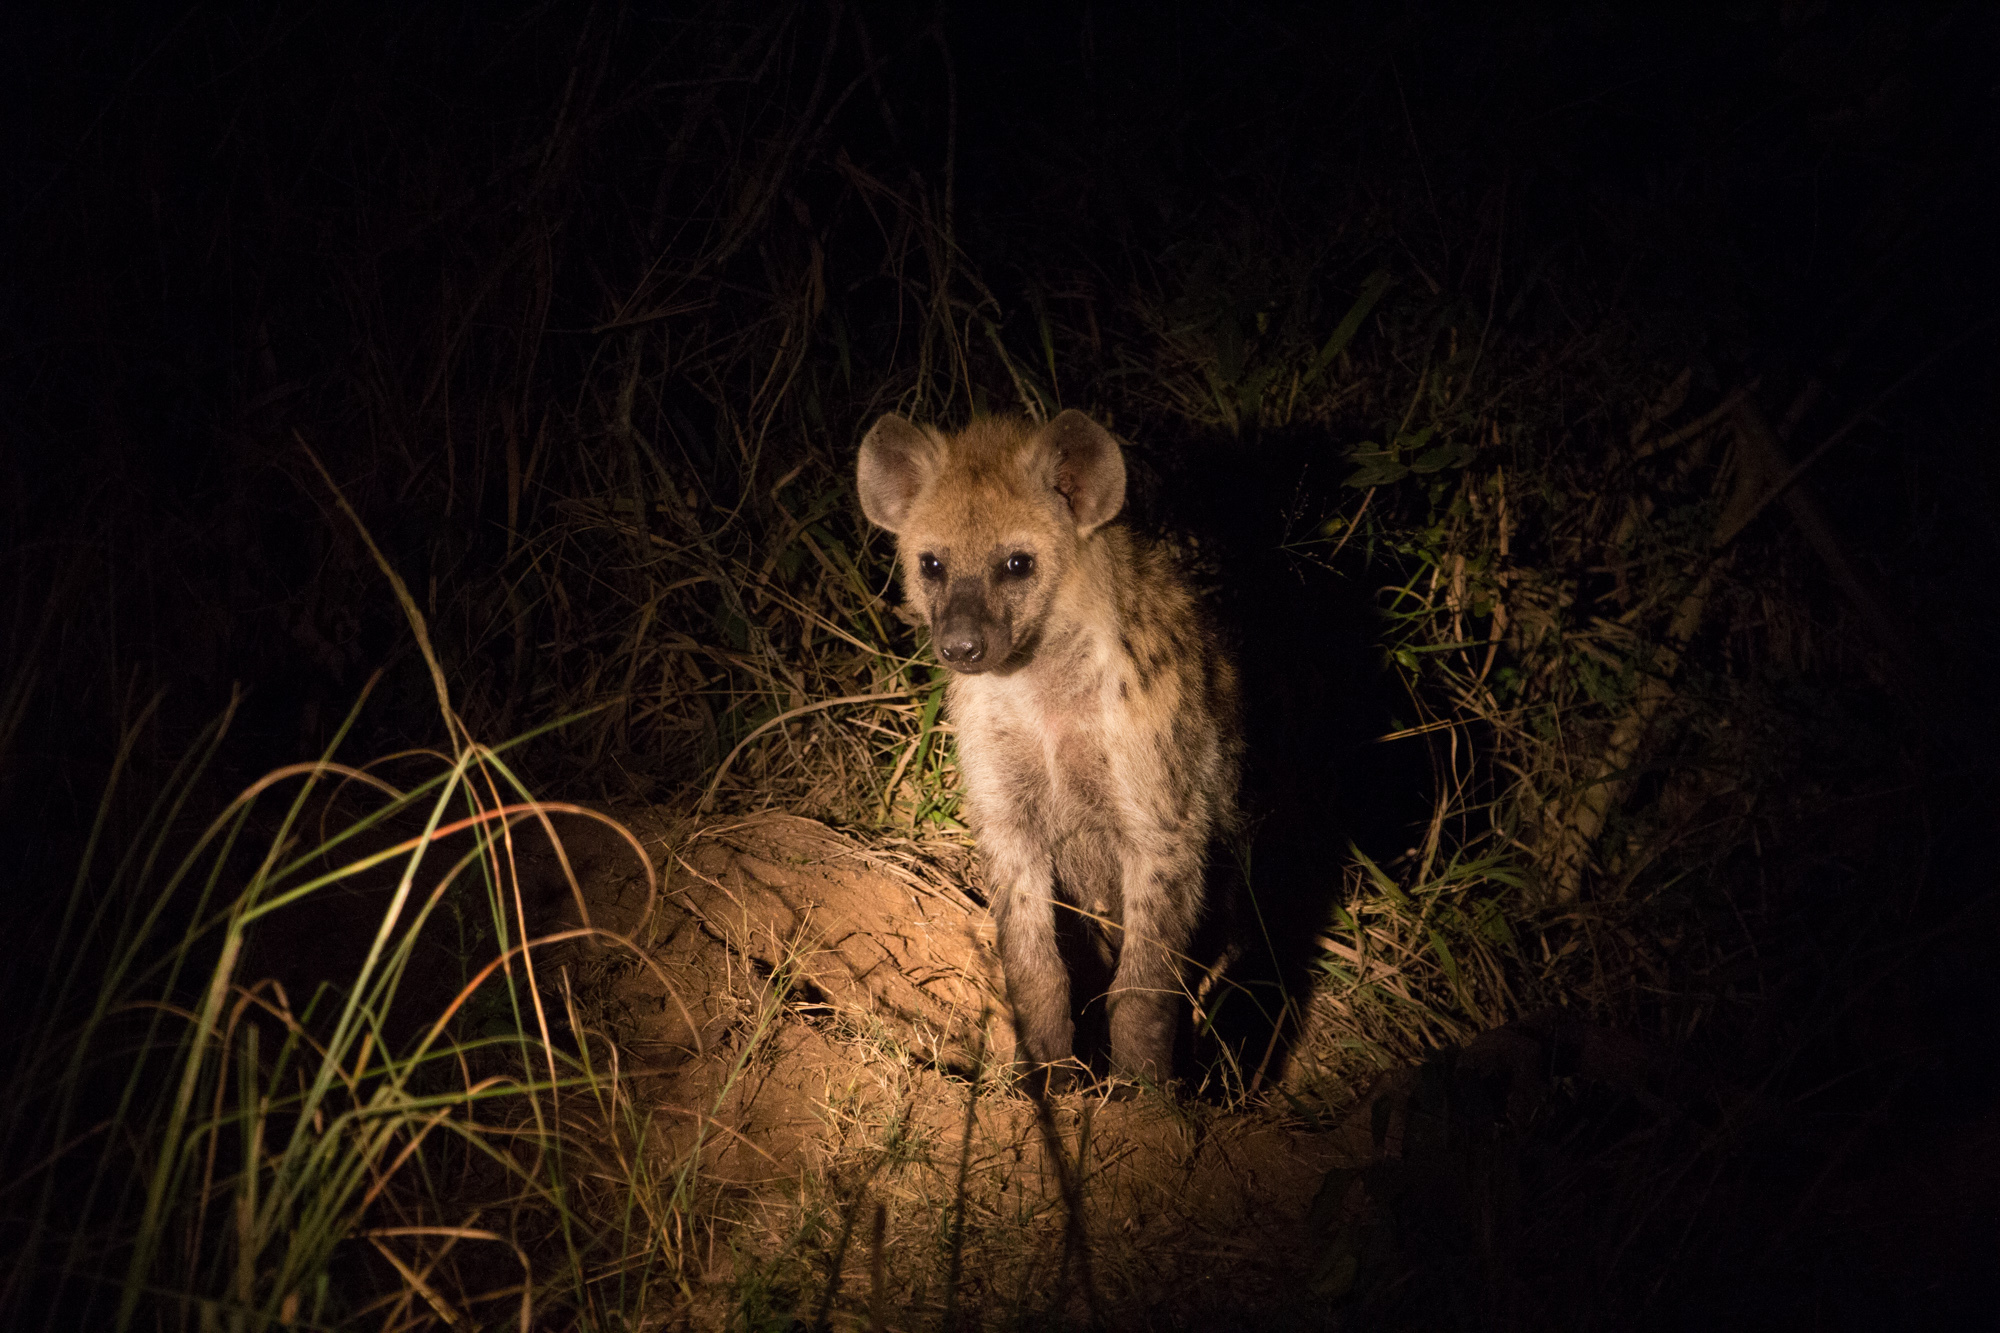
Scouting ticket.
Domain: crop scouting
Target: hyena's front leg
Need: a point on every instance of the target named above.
(1161, 890)
(1022, 877)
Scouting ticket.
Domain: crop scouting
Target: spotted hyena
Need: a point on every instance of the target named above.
(1095, 711)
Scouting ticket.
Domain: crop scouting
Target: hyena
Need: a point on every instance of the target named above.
(1096, 717)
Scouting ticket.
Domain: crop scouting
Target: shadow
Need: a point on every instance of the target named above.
(1317, 781)
(1089, 958)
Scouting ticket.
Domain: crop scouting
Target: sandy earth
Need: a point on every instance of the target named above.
(816, 1029)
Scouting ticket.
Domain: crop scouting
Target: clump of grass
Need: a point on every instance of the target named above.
(620, 490)
(209, 1149)
(206, 1144)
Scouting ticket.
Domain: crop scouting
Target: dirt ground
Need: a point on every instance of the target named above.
(816, 1029)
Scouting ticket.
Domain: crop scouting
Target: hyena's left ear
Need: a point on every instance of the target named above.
(1089, 469)
(896, 460)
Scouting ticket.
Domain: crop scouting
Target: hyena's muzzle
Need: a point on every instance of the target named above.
(972, 629)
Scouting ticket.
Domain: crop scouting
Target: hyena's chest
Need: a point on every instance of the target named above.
(1044, 753)
(1044, 776)
(1043, 759)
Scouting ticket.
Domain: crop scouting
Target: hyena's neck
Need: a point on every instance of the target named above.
(1081, 631)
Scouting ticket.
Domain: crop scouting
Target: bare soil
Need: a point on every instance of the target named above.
(816, 1028)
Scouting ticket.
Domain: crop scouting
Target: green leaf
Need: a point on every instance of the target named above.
(1336, 971)
(1350, 323)
(1378, 469)
(1491, 921)
(1381, 878)
(1450, 454)
(1450, 964)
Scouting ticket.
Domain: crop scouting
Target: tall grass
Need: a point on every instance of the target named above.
(209, 1149)
(607, 441)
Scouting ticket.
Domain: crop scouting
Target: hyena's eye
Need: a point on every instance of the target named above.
(930, 566)
(1020, 564)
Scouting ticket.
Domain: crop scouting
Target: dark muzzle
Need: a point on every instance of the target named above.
(967, 638)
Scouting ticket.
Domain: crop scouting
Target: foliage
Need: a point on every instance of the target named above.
(591, 374)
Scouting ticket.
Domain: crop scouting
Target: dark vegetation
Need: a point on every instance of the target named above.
(1597, 401)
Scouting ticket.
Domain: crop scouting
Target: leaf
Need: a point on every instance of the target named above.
(1381, 878)
(1491, 921)
(1335, 971)
(1376, 470)
(1450, 964)
(1350, 323)
(1451, 454)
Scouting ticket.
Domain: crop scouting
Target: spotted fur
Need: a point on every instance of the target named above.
(1096, 715)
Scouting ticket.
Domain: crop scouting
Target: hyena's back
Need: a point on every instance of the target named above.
(1095, 709)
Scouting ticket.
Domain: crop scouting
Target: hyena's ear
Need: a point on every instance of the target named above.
(896, 460)
(1089, 469)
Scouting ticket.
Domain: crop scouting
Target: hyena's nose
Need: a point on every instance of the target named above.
(962, 649)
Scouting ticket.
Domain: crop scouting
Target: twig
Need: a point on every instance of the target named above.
(1699, 424)
(1352, 524)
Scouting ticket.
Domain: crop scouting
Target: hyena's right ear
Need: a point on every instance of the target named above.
(896, 460)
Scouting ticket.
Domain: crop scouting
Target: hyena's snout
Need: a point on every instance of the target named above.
(971, 634)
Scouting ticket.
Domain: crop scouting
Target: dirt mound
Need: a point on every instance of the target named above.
(817, 1029)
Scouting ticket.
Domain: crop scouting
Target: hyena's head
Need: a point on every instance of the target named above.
(989, 523)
